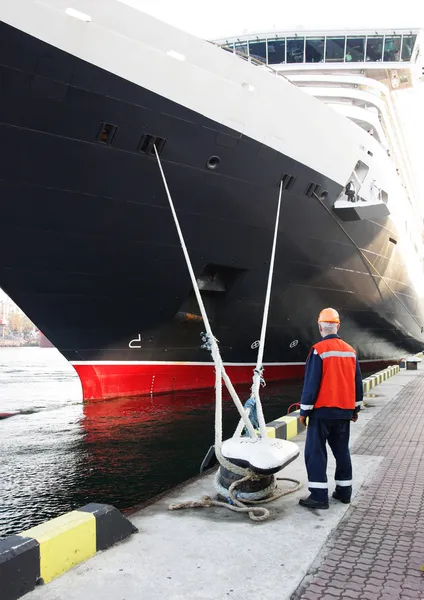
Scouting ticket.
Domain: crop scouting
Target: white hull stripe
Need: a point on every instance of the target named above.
(346, 483)
(318, 484)
(198, 364)
(176, 363)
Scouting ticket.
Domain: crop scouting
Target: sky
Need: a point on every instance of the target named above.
(219, 18)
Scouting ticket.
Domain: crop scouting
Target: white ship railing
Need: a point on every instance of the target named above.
(256, 62)
(383, 102)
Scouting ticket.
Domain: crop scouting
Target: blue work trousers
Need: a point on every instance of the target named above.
(336, 433)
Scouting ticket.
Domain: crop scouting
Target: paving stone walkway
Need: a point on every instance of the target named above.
(376, 551)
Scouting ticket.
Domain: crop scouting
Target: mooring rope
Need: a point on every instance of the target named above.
(211, 340)
(211, 344)
(258, 371)
(239, 505)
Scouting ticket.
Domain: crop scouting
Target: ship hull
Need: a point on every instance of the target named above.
(89, 249)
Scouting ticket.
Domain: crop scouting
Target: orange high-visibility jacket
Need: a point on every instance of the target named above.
(332, 388)
(337, 389)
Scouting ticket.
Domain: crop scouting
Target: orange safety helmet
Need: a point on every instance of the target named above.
(328, 315)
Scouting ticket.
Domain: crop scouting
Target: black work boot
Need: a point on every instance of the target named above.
(340, 498)
(311, 503)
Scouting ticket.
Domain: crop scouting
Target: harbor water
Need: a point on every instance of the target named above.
(58, 454)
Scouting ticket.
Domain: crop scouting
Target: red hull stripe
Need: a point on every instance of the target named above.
(104, 380)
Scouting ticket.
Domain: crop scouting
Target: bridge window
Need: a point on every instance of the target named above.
(374, 48)
(408, 42)
(392, 48)
(314, 50)
(241, 48)
(257, 50)
(335, 49)
(228, 47)
(276, 51)
(355, 49)
(295, 50)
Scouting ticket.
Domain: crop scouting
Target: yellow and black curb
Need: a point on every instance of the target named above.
(286, 427)
(40, 554)
(373, 380)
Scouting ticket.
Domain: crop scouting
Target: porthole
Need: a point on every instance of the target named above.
(213, 162)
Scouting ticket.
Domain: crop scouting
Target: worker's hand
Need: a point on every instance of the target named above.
(302, 420)
(354, 418)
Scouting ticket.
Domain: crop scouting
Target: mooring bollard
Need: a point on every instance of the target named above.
(412, 364)
(247, 489)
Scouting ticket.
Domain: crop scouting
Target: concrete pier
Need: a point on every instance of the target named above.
(213, 553)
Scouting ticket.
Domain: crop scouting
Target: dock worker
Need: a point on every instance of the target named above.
(331, 398)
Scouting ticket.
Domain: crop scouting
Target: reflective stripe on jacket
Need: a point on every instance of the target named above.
(337, 389)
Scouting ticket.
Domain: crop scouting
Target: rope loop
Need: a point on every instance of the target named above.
(260, 372)
(233, 499)
(207, 340)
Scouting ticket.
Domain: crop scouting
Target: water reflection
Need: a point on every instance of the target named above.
(58, 454)
(137, 448)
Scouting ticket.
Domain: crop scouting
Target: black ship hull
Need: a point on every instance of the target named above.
(89, 250)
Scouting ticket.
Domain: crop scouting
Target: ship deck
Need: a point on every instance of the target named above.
(214, 553)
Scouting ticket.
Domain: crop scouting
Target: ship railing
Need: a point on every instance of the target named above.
(260, 63)
(257, 62)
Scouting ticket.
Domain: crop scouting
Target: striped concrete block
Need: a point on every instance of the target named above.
(377, 378)
(19, 566)
(366, 384)
(64, 542)
(46, 551)
(370, 382)
(286, 427)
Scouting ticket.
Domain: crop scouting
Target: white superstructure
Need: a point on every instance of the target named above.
(359, 74)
